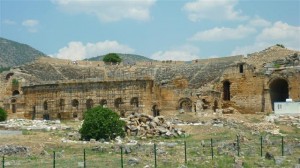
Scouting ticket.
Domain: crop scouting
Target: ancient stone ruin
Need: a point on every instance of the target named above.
(60, 89)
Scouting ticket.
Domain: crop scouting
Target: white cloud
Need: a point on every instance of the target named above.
(223, 33)
(183, 53)
(278, 33)
(31, 25)
(77, 50)
(108, 10)
(9, 22)
(259, 22)
(213, 10)
(282, 33)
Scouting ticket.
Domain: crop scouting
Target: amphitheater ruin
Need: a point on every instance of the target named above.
(60, 89)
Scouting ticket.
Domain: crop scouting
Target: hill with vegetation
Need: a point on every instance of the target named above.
(125, 58)
(13, 53)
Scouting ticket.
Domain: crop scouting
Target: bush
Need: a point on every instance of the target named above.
(101, 123)
(3, 114)
(112, 57)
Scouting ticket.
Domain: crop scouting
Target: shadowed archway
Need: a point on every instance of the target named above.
(226, 90)
(279, 91)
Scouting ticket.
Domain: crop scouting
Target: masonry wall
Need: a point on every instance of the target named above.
(36, 96)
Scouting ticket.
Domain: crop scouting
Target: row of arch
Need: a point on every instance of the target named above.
(134, 102)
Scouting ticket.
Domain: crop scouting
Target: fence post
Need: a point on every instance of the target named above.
(53, 159)
(185, 157)
(3, 161)
(84, 161)
(282, 146)
(238, 144)
(261, 146)
(211, 149)
(121, 156)
(155, 163)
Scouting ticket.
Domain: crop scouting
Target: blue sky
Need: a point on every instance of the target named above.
(158, 29)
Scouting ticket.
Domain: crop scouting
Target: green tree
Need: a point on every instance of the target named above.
(112, 57)
(3, 114)
(101, 123)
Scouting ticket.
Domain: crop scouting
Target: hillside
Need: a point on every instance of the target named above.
(125, 57)
(13, 53)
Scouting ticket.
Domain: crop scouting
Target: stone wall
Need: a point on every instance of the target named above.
(70, 100)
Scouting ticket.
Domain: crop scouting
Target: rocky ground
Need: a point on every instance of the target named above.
(37, 138)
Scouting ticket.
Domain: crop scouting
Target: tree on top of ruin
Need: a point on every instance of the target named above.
(112, 58)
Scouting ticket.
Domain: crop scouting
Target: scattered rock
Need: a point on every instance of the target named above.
(133, 161)
(13, 150)
(279, 160)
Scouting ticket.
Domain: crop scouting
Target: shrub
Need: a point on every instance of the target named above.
(101, 123)
(3, 114)
(112, 57)
(15, 82)
(280, 45)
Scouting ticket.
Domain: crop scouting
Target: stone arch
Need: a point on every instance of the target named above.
(185, 104)
(155, 110)
(134, 102)
(279, 90)
(103, 102)
(215, 106)
(13, 105)
(75, 103)
(226, 90)
(15, 93)
(58, 116)
(62, 104)
(118, 102)
(46, 116)
(75, 115)
(45, 105)
(89, 103)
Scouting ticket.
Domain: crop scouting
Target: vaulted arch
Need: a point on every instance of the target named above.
(279, 90)
(185, 104)
(226, 90)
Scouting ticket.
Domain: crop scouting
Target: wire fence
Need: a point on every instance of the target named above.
(171, 153)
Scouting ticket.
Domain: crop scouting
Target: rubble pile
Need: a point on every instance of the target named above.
(25, 124)
(13, 150)
(147, 126)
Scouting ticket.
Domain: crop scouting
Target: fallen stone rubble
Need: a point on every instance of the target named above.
(147, 126)
(25, 124)
(13, 150)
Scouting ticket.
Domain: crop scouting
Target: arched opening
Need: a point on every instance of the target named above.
(75, 115)
(134, 102)
(241, 68)
(45, 105)
(226, 90)
(58, 116)
(279, 91)
(185, 105)
(75, 103)
(103, 102)
(215, 107)
(155, 110)
(13, 105)
(89, 103)
(15, 92)
(61, 104)
(118, 102)
(46, 116)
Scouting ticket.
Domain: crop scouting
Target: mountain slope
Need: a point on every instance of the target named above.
(13, 53)
(125, 58)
